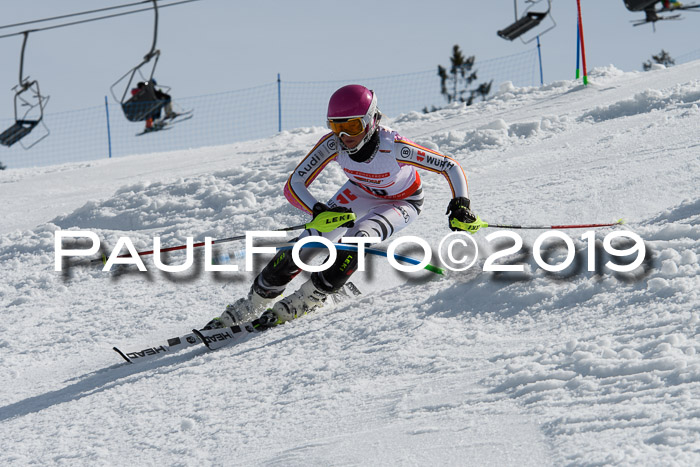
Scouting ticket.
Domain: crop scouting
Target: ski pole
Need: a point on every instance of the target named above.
(555, 227)
(370, 251)
(479, 224)
(324, 222)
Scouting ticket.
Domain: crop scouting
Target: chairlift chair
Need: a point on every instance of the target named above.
(528, 21)
(652, 13)
(34, 101)
(640, 5)
(143, 104)
(649, 9)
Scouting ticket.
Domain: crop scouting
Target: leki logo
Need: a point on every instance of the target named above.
(336, 219)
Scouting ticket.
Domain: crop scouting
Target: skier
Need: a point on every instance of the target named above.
(146, 93)
(163, 96)
(383, 190)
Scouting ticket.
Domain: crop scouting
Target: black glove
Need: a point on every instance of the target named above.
(321, 207)
(459, 209)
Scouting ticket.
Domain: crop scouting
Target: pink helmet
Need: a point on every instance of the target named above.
(355, 101)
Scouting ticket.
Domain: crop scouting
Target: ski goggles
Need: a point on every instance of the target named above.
(350, 127)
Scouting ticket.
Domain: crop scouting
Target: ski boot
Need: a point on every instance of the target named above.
(244, 310)
(304, 300)
(267, 320)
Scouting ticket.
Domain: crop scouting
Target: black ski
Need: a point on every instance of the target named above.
(167, 123)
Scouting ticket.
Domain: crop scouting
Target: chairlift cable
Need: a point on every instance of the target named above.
(72, 14)
(98, 18)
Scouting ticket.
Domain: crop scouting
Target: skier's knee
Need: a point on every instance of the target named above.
(280, 270)
(335, 277)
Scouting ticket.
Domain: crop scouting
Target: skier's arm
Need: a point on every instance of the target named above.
(460, 215)
(410, 153)
(296, 190)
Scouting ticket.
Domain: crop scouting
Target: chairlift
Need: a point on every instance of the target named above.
(528, 21)
(652, 14)
(144, 103)
(639, 5)
(29, 108)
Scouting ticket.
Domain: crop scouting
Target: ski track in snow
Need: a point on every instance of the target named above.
(475, 368)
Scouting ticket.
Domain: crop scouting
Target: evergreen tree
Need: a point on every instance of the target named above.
(663, 58)
(454, 84)
(2, 167)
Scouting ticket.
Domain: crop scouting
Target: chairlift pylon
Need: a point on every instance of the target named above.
(528, 21)
(27, 94)
(143, 104)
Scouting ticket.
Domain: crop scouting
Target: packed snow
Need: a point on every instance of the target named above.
(470, 368)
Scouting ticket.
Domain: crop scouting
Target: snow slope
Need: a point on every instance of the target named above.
(473, 368)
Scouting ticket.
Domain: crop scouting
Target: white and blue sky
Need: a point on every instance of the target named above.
(212, 46)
